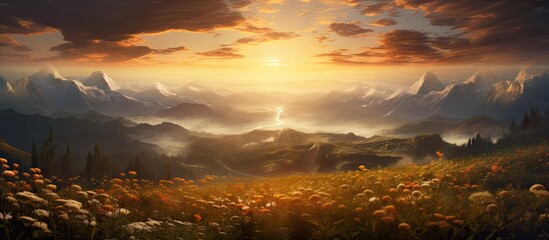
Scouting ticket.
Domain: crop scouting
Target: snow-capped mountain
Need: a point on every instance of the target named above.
(5, 85)
(481, 94)
(426, 84)
(158, 93)
(102, 81)
(47, 91)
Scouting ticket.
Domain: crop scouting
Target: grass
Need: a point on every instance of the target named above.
(496, 196)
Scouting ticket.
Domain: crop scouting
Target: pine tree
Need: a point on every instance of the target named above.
(48, 153)
(34, 155)
(66, 163)
(89, 168)
(525, 121)
(513, 127)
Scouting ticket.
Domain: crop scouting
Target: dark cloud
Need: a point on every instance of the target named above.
(239, 3)
(9, 42)
(265, 34)
(343, 56)
(106, 51)
(280, 35)
(106, 24)
(349, 29)
(323, 38)
(6, 58)
(224, 52)
(383, 22)
(492, 30)
(406, 46)
(374, 8)
(502, 31)
(170, 50)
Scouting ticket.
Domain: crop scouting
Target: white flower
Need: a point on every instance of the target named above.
(540, 191)
(481, 197)
(6, 216)
(41, 213)
(33, 199)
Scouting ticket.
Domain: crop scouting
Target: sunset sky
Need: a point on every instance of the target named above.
(270, 40)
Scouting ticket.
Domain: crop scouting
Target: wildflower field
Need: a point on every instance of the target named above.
(497, 196)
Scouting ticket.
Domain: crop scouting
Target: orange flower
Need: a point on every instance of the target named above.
(326, 206)
(432, 224)
(496, 168)
(404, 227)
(379, 213)
(440, 154)
(108, 208)
(132, 173)
(387, 219)
(197, 217)
(391, 209)
(8, 173)
(438, 216)
(314, 198)
(264, 211)
(457, 222)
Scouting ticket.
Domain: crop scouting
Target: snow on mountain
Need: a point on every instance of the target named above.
(5, 85)
(426, 84)
(483, 80)
(157, 93)
(482, 93)
(202, 94)
(47, 91)
(102, 81)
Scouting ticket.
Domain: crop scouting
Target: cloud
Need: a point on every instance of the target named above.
(323, 38)
(224, 52)
(266, 37)
(496, 31)
(406, 46)
(349, 29)
(264, 34)
(170, 50)
(383, 22)
(379, 7)
(478, 31)
(9, 42)
(15, 58)
(106, 51)
(106, 24)
(267, 9)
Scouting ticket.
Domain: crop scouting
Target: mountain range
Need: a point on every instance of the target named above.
(481, 94)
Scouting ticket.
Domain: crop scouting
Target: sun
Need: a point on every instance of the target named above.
(272, 62)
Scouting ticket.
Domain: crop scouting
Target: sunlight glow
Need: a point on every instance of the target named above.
(272, 62)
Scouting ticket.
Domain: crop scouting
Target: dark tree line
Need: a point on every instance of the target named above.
(49, 161)
(98, 165)
(532, 128)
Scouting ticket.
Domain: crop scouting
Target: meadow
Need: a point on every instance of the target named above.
(500, 195)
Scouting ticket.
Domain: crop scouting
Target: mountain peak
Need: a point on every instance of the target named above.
(4, 84)
(102, 81)
(482, 75)
(48, 72)
(522, 75)
(426, 84)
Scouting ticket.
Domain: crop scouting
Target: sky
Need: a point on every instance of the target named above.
(271, 40)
